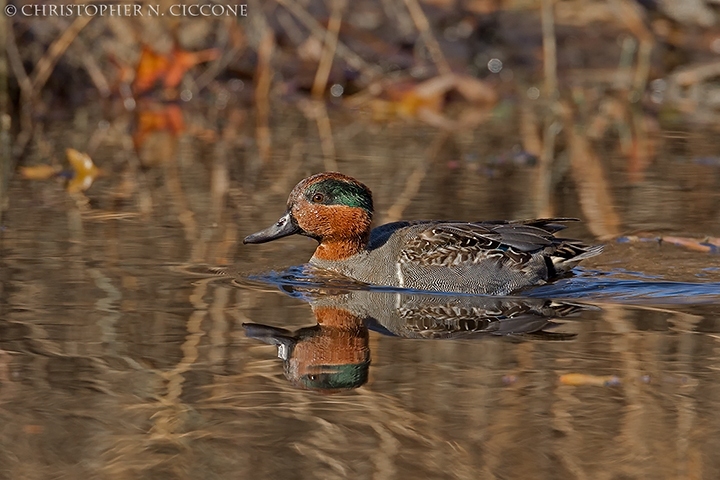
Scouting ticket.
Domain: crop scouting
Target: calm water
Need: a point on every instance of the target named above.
(123, 352)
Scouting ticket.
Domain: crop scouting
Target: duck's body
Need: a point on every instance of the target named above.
(487, 258)
(494, 258)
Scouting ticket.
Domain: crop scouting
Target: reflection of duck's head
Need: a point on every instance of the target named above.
(329, 357)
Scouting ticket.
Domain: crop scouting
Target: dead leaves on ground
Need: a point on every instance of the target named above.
(426, 100)
(158, 70)
(167, 70)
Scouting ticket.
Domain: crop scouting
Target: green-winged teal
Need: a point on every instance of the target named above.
(495, 258)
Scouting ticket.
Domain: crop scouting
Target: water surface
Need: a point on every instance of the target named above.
(123, 352)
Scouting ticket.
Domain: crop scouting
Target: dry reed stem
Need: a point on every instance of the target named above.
(288, 24)
(642, 72)
(185, 215)
(562, 421)
(16, 64)
(219, 181)
(220, 188)
(544, 172)
(168, 420)
(47, 63)
(220, 65)
(686, 325)
(354, 60)
(625, 345)
(644, 150)
(549, 48)
(5, 119)
(414, 180)
(529, 130)
(329, 47)
(326, 139)
(694, 74)
(393, 9)
(593, 188)
(543, 186)
(138, 177)
(422, 24)
(632, 17)
(26, 88)
(263, 78)
(316, 110)
(89, 62)
(290, 172)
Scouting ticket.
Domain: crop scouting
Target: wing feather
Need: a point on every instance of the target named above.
(455, 243)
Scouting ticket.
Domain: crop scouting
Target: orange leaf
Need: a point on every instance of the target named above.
(151, 67)
(181, 61)
(154, 68)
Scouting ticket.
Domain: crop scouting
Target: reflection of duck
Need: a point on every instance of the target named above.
(489, 258)
(334, 354)
(331, 356)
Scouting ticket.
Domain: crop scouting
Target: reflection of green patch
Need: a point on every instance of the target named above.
(338, 192)
(332, 377)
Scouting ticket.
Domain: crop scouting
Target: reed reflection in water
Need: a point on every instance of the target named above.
(116, 361)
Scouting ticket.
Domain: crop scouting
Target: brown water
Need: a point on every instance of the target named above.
(123, 355)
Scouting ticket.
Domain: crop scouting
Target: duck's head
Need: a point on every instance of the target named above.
(332, 208)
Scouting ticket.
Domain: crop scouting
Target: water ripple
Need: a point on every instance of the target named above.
(587, 285)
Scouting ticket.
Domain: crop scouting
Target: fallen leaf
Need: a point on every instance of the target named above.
(150, 68)
(39, 172)
(580, 379)
(85, 171)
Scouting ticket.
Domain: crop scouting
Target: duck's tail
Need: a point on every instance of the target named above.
(570, 253)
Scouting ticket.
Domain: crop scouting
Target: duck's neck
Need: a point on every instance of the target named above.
(346, 234)
(333, 249)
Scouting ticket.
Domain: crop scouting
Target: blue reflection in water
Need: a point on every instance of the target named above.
(585, 284)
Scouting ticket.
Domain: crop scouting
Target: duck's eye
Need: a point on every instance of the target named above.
(318, 198)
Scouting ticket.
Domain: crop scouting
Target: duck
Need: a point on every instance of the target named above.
(499, 257)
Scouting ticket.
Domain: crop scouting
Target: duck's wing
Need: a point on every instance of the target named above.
(550, 225)
(455, 243)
